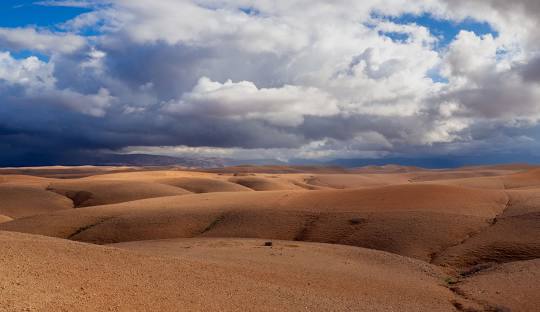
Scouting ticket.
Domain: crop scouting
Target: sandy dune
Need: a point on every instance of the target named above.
(219, 275)
(511, 236)
(201, 182)
(86, 193)
(246, 169)
(344, 181)
(265, 183)
(459, 174)
(388, 169)
(395, 218)
(508, 287)
(523, 179)
(494, 183)
(204, 185)
(5, 219)
(520, 179)
(23, 201)
(369, 239)
(510, 239)
(66, 172)
(24, 180)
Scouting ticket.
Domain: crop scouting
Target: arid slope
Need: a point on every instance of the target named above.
(48, 274)
(379, 238)
(394, 218)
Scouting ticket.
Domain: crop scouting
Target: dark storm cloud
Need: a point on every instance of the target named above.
(531, 71)
(175, 69)
(29, 127)
(347, 127)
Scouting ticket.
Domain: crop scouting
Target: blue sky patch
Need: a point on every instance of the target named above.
(20, 13)
(445, 30)
(250, 11)
(395, 36)
(23, 54)
(435, 75)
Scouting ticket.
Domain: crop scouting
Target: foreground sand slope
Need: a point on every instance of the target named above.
(413, 220)
(48, 274)
(510, 287)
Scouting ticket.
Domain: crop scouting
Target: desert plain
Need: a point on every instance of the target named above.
(270, 238)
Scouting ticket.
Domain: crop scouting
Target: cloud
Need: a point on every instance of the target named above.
(302, 78)
(33, 80)
(469, 54)
(531, 71)
(40, 41)
(29, 72)
(203, 26)
(285, 106)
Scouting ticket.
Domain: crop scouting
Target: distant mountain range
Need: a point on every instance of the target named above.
(215, 162)
(150, 160)
(110, 159)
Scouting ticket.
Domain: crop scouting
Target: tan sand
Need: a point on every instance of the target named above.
(395, 218)
(23, 201)
(85, 193)
(5, 219)
(47, 274)
(509, 287)
(204, 184)
(512, 235)
(384, 238)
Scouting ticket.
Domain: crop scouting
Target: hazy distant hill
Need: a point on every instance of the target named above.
(153, 160)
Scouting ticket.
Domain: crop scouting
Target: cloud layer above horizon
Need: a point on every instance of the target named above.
(272, 79)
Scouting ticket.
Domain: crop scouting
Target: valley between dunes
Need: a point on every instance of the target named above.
(270, 238)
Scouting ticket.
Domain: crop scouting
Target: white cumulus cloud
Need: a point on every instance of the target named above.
(285, 106)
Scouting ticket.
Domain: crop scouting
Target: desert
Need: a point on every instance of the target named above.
(270, 155)
(365, 239)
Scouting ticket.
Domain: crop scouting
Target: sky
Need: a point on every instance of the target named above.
(286, 80)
